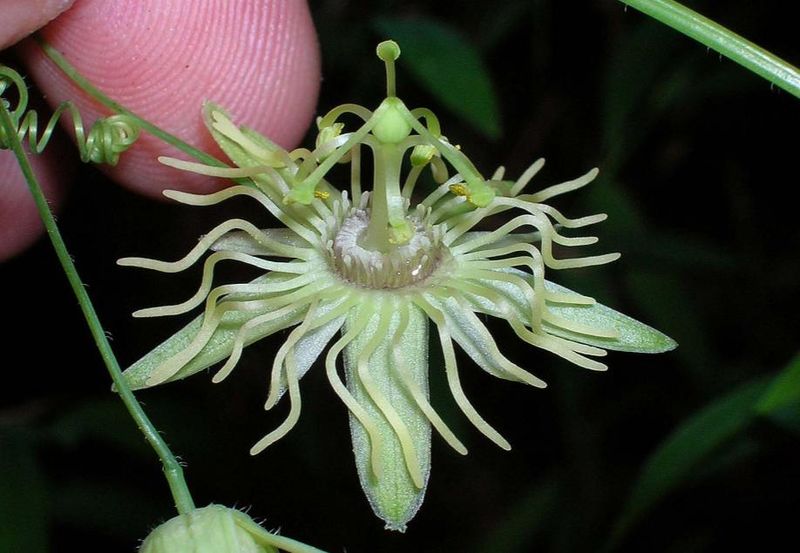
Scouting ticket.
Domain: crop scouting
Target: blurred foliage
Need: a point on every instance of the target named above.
(695, 450)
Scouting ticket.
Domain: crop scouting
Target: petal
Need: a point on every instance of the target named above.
(310, 346)
(476, 340)
(242, 242)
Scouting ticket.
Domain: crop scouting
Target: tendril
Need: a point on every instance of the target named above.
(105, 141)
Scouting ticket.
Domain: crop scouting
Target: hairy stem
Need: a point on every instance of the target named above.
(722, 40)
(172, 469)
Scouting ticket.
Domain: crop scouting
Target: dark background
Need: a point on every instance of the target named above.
(698, 162)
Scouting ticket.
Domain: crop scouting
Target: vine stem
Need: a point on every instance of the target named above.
(172, 469)
(71, 73)
(722, 40)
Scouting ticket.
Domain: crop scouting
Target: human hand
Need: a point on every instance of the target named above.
(162, 59)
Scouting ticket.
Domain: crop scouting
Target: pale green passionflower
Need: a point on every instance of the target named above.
(376, 268)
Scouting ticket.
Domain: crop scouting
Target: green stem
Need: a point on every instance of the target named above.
(172, 469)
(722, 40)
(68, 70)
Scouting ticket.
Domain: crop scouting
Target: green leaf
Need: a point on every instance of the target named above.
(678, 457)
(783, 391)
(781, 402)
(449, 67)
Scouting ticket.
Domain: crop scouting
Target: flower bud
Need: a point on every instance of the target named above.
(422, 154)
(328, 133)
(212, 529)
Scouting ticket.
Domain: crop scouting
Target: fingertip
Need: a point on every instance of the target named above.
(164, 59)
(22, 17)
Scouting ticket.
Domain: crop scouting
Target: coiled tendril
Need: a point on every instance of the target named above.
(105, 141)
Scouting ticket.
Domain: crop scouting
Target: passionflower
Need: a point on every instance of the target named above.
(380, 269)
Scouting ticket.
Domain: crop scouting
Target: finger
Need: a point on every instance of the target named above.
(19, 221)
(22, 17)
(163, 58)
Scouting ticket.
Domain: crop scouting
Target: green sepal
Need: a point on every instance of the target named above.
(393, 497)
(239, 155)
(212, 529)
(220, 345)
(633, 336)
(270, 154)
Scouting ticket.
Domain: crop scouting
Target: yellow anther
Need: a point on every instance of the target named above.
(460, 189)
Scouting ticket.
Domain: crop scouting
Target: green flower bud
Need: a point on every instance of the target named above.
(422, 154)
(326, 134)
(212, 529)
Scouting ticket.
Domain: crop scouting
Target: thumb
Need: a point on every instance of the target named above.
(163, 58)
(22, 17)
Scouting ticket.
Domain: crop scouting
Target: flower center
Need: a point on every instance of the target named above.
(402, 265)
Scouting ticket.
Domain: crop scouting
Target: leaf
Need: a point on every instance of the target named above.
(781, 402)
(783, 391)
(675, 460)
(449, 67)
